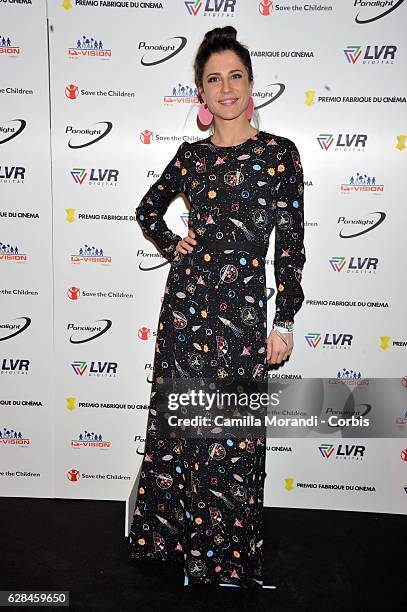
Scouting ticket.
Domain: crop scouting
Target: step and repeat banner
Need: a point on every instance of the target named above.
(96, 96)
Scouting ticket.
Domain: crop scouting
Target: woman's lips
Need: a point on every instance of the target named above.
(228, 101)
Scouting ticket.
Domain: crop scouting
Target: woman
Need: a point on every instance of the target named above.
(200, 501)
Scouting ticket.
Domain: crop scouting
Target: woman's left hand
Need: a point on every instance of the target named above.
(277, 349)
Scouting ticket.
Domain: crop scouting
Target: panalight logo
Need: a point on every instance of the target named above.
(10, 132)
(87, 333)
(161, 50)
(89, 47)
(388, 5)
(355, 264)
(7, 48)
(266, 7)
(366, 223)
(10, 330)
(372, 54)
(330, 340)
(182, 94)
(276, 90)
(8, 252)
(98, 133)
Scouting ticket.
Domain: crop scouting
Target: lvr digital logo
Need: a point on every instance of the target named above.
(210, 6)
(342, 141)
(372, 54)
(96, 368)
(355, 264)
(344, 451)
(329, 340)
(97, 176)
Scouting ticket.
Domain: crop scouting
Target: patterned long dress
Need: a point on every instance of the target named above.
(200, 500)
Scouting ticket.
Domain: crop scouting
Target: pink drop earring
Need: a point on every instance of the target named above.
(204, 114)
(250, 108)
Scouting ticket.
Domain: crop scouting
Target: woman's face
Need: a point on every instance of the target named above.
(226, 86)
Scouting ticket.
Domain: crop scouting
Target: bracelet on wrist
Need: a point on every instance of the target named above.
(285, 328)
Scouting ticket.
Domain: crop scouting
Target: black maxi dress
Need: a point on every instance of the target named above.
(199, 500)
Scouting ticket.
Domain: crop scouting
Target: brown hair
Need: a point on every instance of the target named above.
(215, 41)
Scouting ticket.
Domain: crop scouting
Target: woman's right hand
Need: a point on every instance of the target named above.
(184, 245)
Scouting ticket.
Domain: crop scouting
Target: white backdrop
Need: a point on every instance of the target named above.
(96, 97)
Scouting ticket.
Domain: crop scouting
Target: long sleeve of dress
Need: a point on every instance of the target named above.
(289, 252)
(154, 204)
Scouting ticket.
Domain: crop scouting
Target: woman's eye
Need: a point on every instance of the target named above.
(239, 76)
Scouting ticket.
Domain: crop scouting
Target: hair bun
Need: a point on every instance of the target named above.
(228, 32)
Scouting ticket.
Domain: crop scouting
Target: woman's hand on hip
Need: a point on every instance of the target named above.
(184, 245)
(277, 349)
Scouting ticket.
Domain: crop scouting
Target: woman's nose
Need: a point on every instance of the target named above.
(225, 85)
